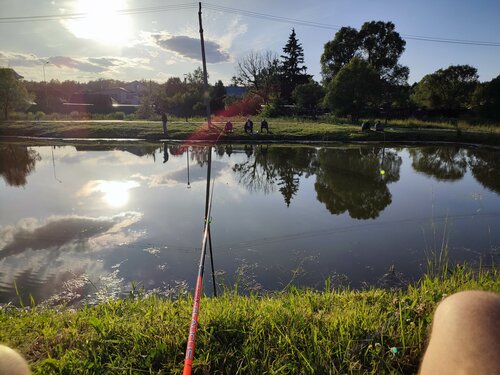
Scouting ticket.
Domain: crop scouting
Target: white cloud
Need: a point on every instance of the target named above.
(190, 48)
(68, 233)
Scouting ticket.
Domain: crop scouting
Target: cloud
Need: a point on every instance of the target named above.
(104, 61)
(190, 48)
(99, 64)
(69, 62)
(65, 233)
(15, 59)
(171, 179)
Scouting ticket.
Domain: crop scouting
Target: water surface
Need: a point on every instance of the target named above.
(82, 223)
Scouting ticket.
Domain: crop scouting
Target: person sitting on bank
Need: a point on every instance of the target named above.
(228, 128)
(264, 125)
(378, 126)
(249, 126)
(365, 126)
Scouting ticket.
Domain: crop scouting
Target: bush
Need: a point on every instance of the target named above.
(118, 116)
(39, 115)
(75, 115)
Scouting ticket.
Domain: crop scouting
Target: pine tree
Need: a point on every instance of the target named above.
(293, 72)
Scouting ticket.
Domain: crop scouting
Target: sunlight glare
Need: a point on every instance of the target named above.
(103, 24)
(116, 193)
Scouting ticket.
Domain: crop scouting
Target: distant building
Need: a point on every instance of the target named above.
(136, 87)
(120, 95)
(236, 91)
(90, 102)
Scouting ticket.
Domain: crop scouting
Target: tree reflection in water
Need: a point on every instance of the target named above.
(347, 179)
(485, 166)
(16, 163)
(268, 167)
(442, 163)
(351, 180)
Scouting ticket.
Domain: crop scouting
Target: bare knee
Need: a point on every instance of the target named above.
(470, 308)
(12, 363)
(465, 335)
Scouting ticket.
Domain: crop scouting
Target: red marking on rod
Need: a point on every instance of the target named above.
(188, 361)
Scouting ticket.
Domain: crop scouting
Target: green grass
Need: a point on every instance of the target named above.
(291, 332)
(283, 130)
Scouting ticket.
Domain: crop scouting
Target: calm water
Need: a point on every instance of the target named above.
(81, 223)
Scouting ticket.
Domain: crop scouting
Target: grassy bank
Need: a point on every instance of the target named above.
(293, 332)
(282, 130)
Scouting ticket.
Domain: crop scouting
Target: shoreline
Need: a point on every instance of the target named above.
(282, 132)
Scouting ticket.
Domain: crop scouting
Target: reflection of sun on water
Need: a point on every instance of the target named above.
(103, 23)
(115, 193)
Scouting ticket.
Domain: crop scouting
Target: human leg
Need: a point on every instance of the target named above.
(465, 337)
(12, 363)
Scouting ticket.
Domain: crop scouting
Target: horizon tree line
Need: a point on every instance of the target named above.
(361, 77)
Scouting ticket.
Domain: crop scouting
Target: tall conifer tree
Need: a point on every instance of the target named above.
(293, 72)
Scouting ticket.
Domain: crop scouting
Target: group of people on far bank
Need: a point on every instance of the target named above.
(228, 127)
(248, 126)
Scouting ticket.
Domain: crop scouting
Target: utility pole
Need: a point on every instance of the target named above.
(45, 84)
(205, 78)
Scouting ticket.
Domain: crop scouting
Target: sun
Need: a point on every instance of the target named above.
(104, 23)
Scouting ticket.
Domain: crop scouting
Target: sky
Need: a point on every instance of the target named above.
(155, 40)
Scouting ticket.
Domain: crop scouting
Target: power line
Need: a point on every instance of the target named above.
(121, 12)
(246, 13)
(294, 21)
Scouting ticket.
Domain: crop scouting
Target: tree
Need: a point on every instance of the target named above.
(377, 42)
(259, 73)
(447, 89)
(382, 47)
(13, 94)
(339, 51)
(293, 73)
(307, 97)
(486, 98)
(356, 87)
(217, 96)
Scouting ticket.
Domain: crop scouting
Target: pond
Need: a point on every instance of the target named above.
(81, 223)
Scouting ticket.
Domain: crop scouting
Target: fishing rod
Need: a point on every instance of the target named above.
(188, 360)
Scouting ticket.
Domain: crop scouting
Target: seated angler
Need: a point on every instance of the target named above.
(264, 125)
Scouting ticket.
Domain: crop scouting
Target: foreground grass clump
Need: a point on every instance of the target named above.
(294, 332)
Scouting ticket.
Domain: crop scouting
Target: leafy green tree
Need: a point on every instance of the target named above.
(382, 47)
(308, 97)
(486, 98)
(357, 86)
(451, 88)
(377, 42)
(293, 72)
(13, 94)
(339, 51)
